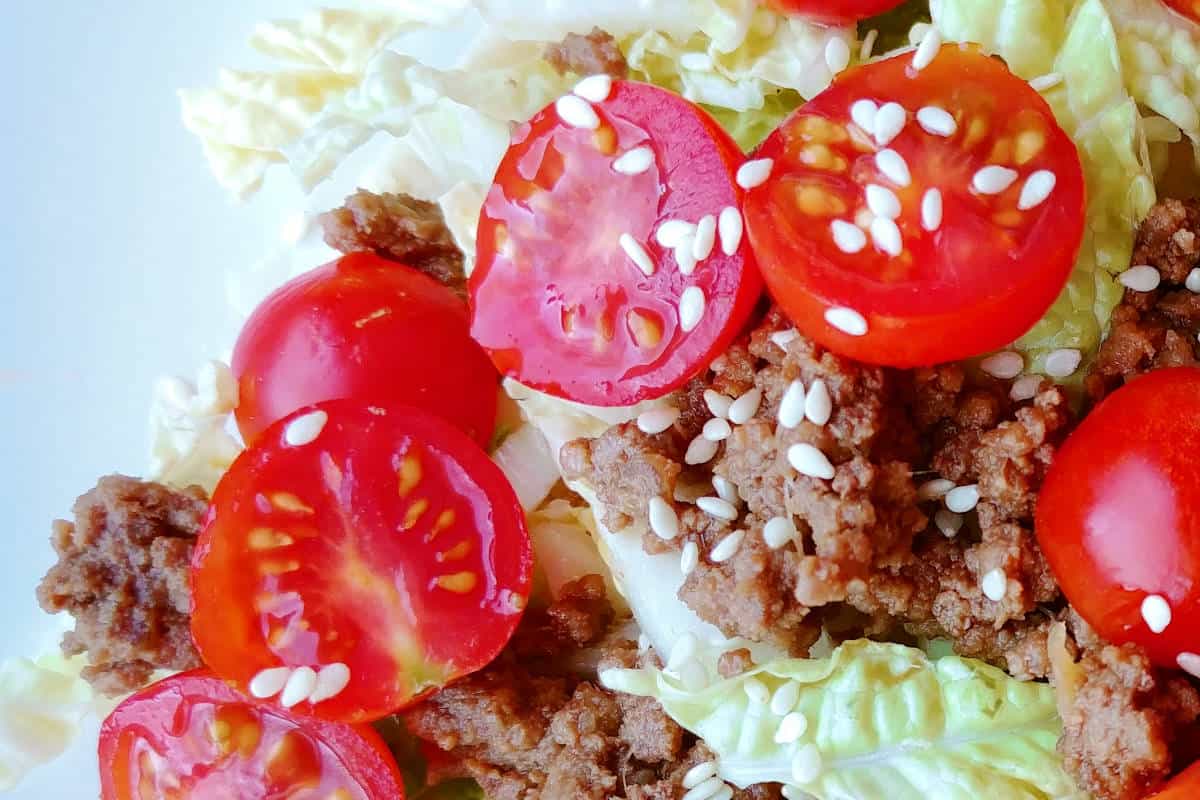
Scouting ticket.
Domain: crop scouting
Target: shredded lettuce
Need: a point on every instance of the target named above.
(883, 721)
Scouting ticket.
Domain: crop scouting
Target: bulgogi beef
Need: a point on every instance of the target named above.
(596, 53)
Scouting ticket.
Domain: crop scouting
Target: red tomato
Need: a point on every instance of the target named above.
(192, 736)
(366, 328)
(378, 548)
(556, 297)
(952, 150)
(1184, 786)
(833, 12)
(1188, 8)
(1119, 516)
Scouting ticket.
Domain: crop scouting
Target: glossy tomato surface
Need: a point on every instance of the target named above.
(1119, 516)
(1184, 786)
(356, 557)
(892, 228)
(191, 736)
(369, 329)
(1188, 8)
(833, 12)
(558, 295)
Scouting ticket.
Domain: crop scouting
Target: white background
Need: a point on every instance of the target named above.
(115, 243)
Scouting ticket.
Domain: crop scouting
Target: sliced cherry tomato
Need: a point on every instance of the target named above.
(558, 295)
(192, 736)
(833, 12)
(356, 557)
(1188, 8)
(953, 152)
(365, 328)
(1184, 786)
(1119, 517)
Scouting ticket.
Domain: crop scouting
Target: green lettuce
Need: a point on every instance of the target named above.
(886, 721)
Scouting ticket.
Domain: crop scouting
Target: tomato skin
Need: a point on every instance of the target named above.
(381, 539)
(832, 12)
(1184, 786)
(1119, 514)
(174, 719)
(982, 277)
(1189, 9)
(366, 328)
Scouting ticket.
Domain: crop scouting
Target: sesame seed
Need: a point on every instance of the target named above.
(730, 228)
(931, 210)
(331, 680)
(300, 685)
(693, 676)
(672, 232)
(806, 764)
(718, 404)
(778, 531)
(868, 45)
(635, 162)
(882, 201)
(837, 55)
(718, 508)
(931, 43)
(705, 790)
(663, 519)
(696, 62)
(863, 113)
(745, 407)
(1037, 188)
(917, 32)
(1156, 612)
(699, 773)
(726, 548)
(700, 451)
(794, 793)
(847, 320)
(684, 257)
(1189, 663)
(756, 691)
(791, 728)
(782, 339)
(894, 167)
(1005, 365)
(1025, 388)
(577, 112)
(785, 698)
(1141, 278)
(657, 420)
(818, 406)
(1193, 281)
(886, 236)
(754, 173)
(889, 121)
(596, 88)
(706, 237)
(848, 238)
(691, 308)
(1047, 81)
(791, 406)
(935, 489)
(993, 179)
(937, 121)
(269, 682)
(689, 558)
(716, 430)
(726, 490)
(683, 650)
(994, 585)
(724, 793)
(948, 523)
(1063, 363)
(962, 499)
(637, 254)
(808, 460)
(305, 430)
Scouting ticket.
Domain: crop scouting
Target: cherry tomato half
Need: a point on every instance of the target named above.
(1187, 8)
(833, 12)
(1119, 516)
(356, 557)
(366, 328)
(192, 736)
(1184, 786)
(918, 216)
(603, 274)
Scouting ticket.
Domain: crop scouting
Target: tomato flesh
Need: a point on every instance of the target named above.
(1184, 786)
(833, 12)
(192, 736)
(366, 328)
(556, 299)
(1186, 8)
(977, 279)
(1119, 516)
(379, 543)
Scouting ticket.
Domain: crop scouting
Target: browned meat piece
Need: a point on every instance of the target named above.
(627, 468)
(399, 227)
(734, 662)
(594, 54)
(1167, 239)
(122, 574)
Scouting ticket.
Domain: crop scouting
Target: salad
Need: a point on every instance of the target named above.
(699, 399)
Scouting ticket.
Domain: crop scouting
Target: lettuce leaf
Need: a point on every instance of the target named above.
(886, 722)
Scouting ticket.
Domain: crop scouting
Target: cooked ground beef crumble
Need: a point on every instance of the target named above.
(594, 54)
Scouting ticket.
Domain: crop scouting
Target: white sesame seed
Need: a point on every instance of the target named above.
(705, 790)
(808, 460)
(894, 167)
(889, 121)
(657, 420)
(937, 121)
(847, 320)
(994, 585)
(935, 489)
(791, 728)
(848, 237)
(1025, 388)
(331, 680)
(718, 508)
(886, 236)
(691, 308)
(684, 257)
(745, 407)
(683, 650)
(700, 451)
(1141, 278)
(1189, 663)
(689, 558)
(785, 698)
(837, 55)
(726, 548)
(672, 232)
(1193, 281)
(1063, 363)
(663, 519)
(699, 773)
(1037, 188)
(269, 682)
(1047, 81)
(806, 764)
(637, 254)
(756, 691)
(724, 793)
(868, 45)
(596, 88)
(791, 406)
(716, 429)
(962, 499)
(818, 406)
(993, 179)
(300, 685)
(948, 522)
(1156, 612)
(305, 430)
(782, 339)
(931, 210)
(635, 162)
(754, 173)
(730, 228)
(882, 201)
(726, 490)
(696, 62)
(706, 237)
(927, 51)
(778, 531)
(917, 32)
(718, 404)
(863, 113)
(693, 676)
(1005, 365)
(577, 112)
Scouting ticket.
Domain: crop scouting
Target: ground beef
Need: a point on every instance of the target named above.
(122, 573)
(399, 227)
(594, 54)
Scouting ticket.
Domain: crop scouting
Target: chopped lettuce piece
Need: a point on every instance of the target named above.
(879, 720)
